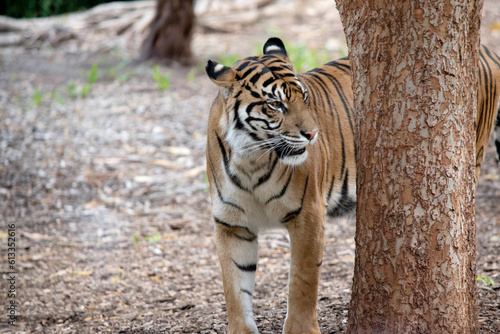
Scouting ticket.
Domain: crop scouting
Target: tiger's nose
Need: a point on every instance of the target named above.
(310, 135)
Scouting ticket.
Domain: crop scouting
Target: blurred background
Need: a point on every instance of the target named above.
(103, 115)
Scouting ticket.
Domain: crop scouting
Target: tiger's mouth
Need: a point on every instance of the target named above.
(289, 152)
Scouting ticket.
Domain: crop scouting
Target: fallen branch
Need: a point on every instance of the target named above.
(121, 19)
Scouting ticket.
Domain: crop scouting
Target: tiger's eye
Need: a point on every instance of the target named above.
(277, 105)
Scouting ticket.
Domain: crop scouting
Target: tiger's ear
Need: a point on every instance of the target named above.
(221, 75)
(274, 46)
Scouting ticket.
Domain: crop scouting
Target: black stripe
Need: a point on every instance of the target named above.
(286, 75)
(282, 191)
(340, 92)
(248, 267)
(252, 105)
(318, 81)
(219, 192)
(329, 194)
(274, 59)
(345, 204)
(491, 55)
(292, 214)
(316, 96)
(268, 82)
(344, 67)
(226, 159)
(250, 70)
(264, 178)
(242, 66)
(237, 119)
(246, 291)
(479, 155)
(255, 94)
(249, 121)
(277, 68)
(251, 236)
(255, 78)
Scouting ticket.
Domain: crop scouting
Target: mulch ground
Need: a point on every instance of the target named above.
(109, 198)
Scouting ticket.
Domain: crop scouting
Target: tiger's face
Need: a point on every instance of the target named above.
(266, 107)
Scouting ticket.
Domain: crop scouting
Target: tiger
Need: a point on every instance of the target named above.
(488, 108)
(281, 154)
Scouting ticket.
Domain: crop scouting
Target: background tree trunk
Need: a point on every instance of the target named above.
(171, 32)
(414, 81)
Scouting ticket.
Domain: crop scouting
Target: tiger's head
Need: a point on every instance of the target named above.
(265, 105)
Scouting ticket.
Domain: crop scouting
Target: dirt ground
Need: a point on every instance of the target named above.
(108, 196)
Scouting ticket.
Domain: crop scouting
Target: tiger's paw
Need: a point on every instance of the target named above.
(301, 327)
(243, 328)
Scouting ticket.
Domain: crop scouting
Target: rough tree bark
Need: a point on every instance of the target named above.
(170, 32)
(414, 81)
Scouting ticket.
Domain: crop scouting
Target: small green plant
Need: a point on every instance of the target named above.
(154, 238)
(57, 97)
(305, 58)
(91, 80)
(72, 90)
(75, 91)
(486, 280)
(193, 72)
(93, 74)
(136, 239)
(228, 60)
(162, 80)
(85, 90)
(116, 71)
(37, 97)
(125, 76)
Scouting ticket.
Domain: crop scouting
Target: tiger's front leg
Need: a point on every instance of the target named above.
(237, 249)
(306, 244)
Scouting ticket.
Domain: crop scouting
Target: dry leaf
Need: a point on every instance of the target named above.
(81, 273)
(91, 204)
(178, 150)
(34, 236)
(195, 171)
(495, 26)
(491, 177)
(165, 163)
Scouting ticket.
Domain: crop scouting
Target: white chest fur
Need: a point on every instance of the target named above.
(257, 192)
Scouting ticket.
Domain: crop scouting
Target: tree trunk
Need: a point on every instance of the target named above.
(170, 32)
(414, 82)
